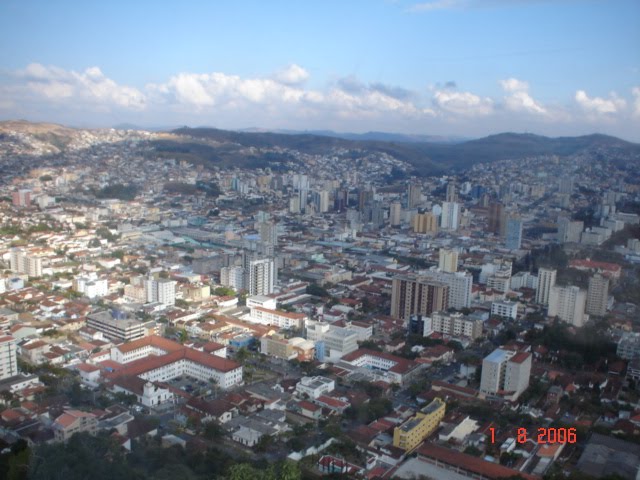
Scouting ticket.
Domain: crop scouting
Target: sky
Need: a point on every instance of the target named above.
(434, 67)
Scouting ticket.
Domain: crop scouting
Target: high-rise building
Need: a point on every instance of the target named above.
(321, 201)
(260, 276)
(452, 195)
(546, 280)
(450, 218)
(8, 357)
(268, 233)
(514, 233)
(414, 194)
(568, 304)
(448, 260)
(395, 214)
(232, 277)
(495, 217)
(565, 185)
(505, 373)
(22, 262)
(598, 295)
(161, 290)
(21, 198)
(417, 295)
(425, 223)
(460, 286)
(569, 231)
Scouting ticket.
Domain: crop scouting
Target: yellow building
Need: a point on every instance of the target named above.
(425, 223)
(414, 431)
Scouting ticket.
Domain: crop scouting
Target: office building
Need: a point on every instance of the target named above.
(546, 280)
(448, 260)
(513, 233)
(414, 194)
(451, 195)
(568, 304)
(412, 295)
(495, 217)
(598, 295)
(505, 373)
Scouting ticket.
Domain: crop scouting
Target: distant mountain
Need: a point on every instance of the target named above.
(373, 136)
(429, 158)
(255, 149)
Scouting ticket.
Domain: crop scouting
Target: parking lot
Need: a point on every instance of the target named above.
(191, 385)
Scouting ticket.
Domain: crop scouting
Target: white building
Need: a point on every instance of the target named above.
(22, 262)
(505, 373)
(232, 277)
(524, 280)
(315, 387)
(161, 290)
(505, 309)
(332, 342)
(261, 276)
(453, 324)
(450, 218)
(277, 318)
(118, 329)
(261, 301)
(448, 260)
(91, 286)
(460, 286)
(546, 280)
(8, 357)
(568, 304)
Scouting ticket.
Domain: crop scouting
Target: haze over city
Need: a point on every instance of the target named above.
(444, 67)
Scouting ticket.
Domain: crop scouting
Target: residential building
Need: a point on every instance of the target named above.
(74, 421)
(569, 231)
(505, 373)
(277, 345)
(448, 260)
(546, 280)
(505, 309)
(568, 304)
(629, 346)
(425, 223)
(395, 214)
(161, 290)
(495, 217)
(450, 217)
(460, 286)
(453, 324)
(91, 286)
(8, 357)
(277, 318)
(232, 277)
(414, 194)
(21, 198)
(23, 262)
(412, 295)
(514, 233)
(598, 295)
(415, 430)
(260, 276)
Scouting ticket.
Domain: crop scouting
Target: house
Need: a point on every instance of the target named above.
(74, 421)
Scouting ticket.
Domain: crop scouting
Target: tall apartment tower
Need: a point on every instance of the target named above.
(21, 198)
(514, 233)
(260, 276)
(161, 290)
(546, 280)
(425, 223)
(8, 357)
(598, 295)
(232, 277)
(22, 262)
(268, 233)
(495, 217)
(414, 194)
(395, 214)
(450, 218)
(505, 372)
(448, 260)
(416, 295)
(568, 304)
(451, 195)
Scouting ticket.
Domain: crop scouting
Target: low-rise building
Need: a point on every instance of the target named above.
(415, 430)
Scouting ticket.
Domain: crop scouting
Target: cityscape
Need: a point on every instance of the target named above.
(433, 296)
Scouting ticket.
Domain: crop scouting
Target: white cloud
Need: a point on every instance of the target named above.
(462, 103)
(635, 91)
(518, 98)
(598, 105)
(292, 75)
(90, 86)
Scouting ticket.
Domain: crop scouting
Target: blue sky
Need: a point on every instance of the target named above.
(459, 67)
